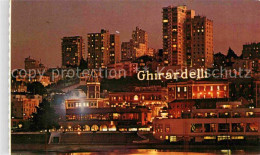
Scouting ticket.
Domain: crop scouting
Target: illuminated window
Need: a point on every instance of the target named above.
(237, 137)
(173, 138)
(211, 88)
(165, 21)
(185, 89)
(218, 88)
(136, 98)
(209, 137)
(220, 138)
(178, 89)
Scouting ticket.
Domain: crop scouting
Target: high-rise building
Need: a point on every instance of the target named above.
(202, 42)
(103, 49)
(182, 34)
(136, 47)
(174, 19)
(188, 36)
(98, 49)
(73, 50)
(114, 50)
(126, 50)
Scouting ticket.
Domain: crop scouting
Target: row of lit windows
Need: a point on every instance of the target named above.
(198, 88)
(212, 127)
(85, 104)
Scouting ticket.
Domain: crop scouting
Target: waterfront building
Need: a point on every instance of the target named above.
(106, 119)
(228, 121)
(72, 51)
(93, 113)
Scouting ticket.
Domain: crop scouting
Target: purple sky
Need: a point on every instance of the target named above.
(38, 26)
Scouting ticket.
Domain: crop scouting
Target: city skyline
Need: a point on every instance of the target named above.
(42, 38)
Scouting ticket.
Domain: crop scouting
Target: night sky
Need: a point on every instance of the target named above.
(38, 26)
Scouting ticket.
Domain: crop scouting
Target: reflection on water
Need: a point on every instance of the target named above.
(146, 151)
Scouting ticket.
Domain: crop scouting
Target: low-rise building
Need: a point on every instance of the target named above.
(203, 89)
(154, 97)
(228, 121)
(122, 69)
(22, 107)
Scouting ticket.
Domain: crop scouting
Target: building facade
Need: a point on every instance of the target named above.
(202, 42)
(187, 39)
(115, 49)
(136, 47)
(251, 51)
(174, 34)
(153, 97)
(22, 107)
(228, 121)
(73, 50)
(122, 69)
(198, 90)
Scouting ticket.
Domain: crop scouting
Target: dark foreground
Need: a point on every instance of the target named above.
(140, 149)
(118, 143)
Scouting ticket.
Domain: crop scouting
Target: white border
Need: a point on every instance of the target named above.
(4, 76)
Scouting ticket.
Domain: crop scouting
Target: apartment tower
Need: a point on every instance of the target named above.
(73, 50)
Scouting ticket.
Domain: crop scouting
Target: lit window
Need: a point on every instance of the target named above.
(185, 89)
(165, 21)
(178, 89)
(136, 98)
(173, 138)
(217, 87)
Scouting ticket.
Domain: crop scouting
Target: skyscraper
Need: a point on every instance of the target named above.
(184, 43)
(103, 49)
(174, 19)
(98, 49)
(114, 50)
(73, 50)
(202, 42)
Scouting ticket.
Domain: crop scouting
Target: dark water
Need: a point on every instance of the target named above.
(255, 151)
